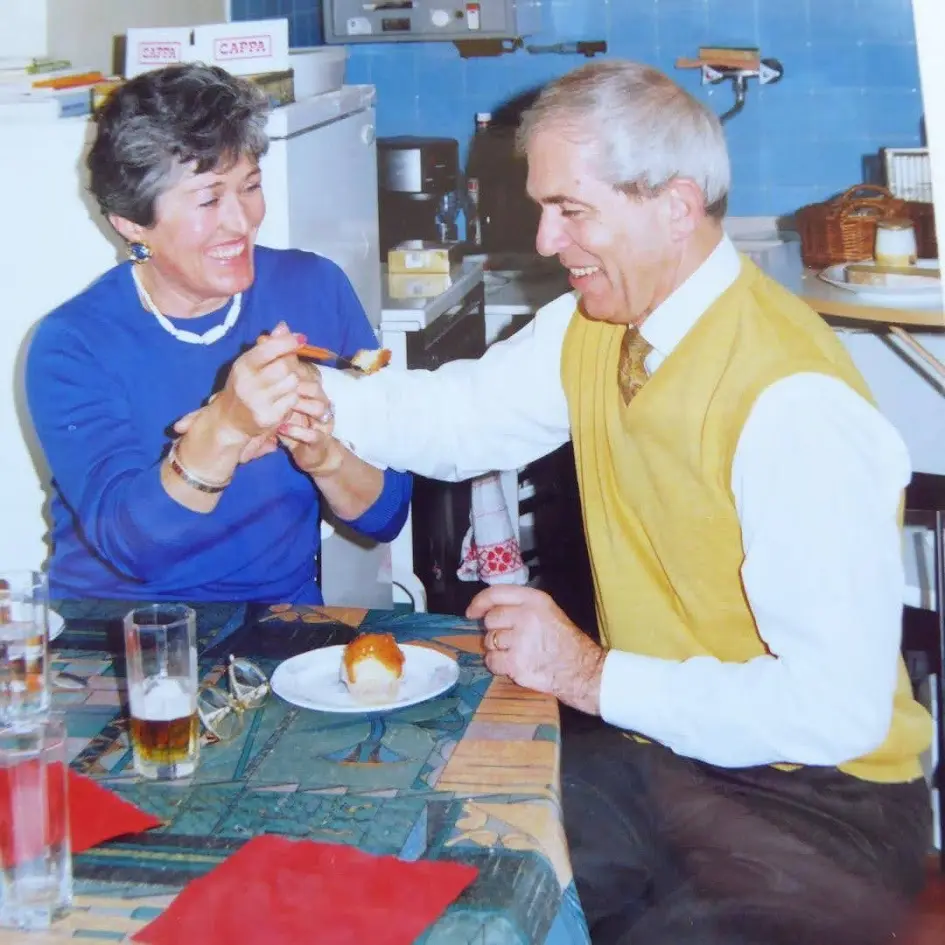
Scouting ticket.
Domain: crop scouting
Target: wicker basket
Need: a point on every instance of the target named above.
(843, 229)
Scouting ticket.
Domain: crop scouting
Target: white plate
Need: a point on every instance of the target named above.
(921, 295)
(56, 625)
(312, 680)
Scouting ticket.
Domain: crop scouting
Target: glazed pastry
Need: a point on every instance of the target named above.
(364, 360)
(372, 668)
(371, 361)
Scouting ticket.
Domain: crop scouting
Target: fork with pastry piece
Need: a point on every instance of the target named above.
(363, 361)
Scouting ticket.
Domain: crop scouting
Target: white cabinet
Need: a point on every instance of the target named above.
(320, 180)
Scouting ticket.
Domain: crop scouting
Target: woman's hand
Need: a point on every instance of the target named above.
(261, 390)
(258, 446)
(312, 405)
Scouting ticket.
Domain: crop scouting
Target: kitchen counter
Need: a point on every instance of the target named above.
(417, 312)
(517, 285)
(521, 284)
(783, 263)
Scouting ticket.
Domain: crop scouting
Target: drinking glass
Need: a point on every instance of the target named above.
(24, 631)
(35, 860)
(161, 654)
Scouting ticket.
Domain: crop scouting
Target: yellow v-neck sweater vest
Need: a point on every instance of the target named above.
(654, 476)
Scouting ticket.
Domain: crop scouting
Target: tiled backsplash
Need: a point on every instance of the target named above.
(850, 83)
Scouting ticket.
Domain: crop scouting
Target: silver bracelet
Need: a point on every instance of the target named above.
(195, 482)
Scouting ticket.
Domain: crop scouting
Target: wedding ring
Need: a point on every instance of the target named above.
(328, 415)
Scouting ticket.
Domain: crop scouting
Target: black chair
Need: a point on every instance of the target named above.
(923, 630)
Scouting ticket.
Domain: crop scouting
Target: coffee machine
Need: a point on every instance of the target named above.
(418, 190)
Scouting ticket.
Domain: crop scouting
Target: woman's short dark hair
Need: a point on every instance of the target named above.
(159, 121)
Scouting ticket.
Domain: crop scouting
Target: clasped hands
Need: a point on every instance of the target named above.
(270, 398)
(531, 640)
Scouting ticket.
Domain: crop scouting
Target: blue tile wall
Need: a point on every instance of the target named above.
(851, 83)
(305, 17)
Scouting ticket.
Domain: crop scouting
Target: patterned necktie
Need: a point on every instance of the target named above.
(631, 373)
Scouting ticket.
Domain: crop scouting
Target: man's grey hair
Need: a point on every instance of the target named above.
(160, 123)
(644, 129)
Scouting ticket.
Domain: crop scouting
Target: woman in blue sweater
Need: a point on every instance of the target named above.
(199, 318)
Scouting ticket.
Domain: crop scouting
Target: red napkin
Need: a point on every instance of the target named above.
(276, 891)
(95, 814)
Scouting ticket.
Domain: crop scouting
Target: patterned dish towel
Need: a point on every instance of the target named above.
(491, 552)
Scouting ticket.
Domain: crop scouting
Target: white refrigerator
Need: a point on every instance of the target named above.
(320, 180)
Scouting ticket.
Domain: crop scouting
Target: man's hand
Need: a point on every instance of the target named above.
(529, 638)
(311, 444)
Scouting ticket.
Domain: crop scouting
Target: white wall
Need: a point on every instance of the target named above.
(930, 45)
(59, 244)
(24, 28)
(83, 31)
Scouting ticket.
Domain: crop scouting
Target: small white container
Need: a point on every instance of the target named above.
(895, 243)
(318, 69)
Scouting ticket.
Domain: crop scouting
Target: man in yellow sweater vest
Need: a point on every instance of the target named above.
(755, 776)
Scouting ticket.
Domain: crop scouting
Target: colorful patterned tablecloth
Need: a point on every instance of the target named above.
(471, 776)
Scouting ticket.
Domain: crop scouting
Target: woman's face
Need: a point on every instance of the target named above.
(202, 240)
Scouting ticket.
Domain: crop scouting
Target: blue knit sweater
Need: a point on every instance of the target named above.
(105, 384)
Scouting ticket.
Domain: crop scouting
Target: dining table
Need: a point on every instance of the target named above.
(470, 776)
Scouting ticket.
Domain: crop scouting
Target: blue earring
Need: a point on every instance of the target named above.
(139, 252)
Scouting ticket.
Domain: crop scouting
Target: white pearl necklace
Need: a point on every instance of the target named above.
(190, 337)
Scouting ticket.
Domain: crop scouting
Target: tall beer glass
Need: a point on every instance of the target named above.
(161, 653)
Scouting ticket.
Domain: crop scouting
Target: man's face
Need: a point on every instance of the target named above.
(619, 250)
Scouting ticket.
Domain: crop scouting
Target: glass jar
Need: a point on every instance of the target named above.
(895, 243)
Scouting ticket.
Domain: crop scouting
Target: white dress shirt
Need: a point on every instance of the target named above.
(816, 479)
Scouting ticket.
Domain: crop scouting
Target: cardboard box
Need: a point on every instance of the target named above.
(252, 47)
(402, 285)
(148, 48)
(416, 257)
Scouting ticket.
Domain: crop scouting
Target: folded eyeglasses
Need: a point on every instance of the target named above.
(221, 712)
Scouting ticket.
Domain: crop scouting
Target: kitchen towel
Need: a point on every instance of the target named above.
(491, 550)
(95, 814)
(277, 891)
